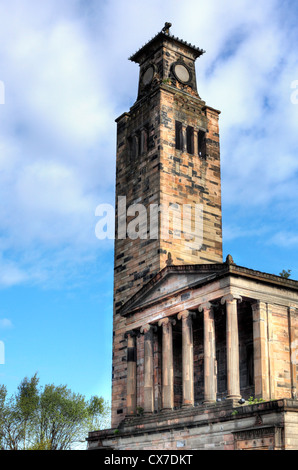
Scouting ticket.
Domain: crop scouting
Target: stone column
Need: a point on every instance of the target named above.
(187, 358)
(210, 374)
(167, 364)
(131, 397)
(261, 359)
(232, 340)
(293, 340)
(184, 142)
(148, 331)
(195, 142)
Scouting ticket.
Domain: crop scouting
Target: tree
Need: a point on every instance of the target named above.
(48, 418)
(285, 274)
(12, 430)
(26, 404)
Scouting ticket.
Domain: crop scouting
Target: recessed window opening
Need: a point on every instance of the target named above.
(202, 144)
(178, 136)
(190, 139)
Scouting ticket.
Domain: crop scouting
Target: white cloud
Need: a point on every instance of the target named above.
(284, 239)
(67, 78)
(57, 126)
(5, 324)
(234, 232)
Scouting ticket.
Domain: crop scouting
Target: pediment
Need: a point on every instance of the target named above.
(174, 280)
(170, 281)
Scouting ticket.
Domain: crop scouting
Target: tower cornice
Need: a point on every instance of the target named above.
(157, 41)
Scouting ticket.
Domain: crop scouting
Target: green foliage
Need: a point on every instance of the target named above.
(26, 404)
(254, 401)
(285, 274)
(41, 445)
(48, 418)
(99, 414)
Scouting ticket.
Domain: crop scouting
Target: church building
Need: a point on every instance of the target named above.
(204, 351)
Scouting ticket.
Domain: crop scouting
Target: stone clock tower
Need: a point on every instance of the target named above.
(167, 156)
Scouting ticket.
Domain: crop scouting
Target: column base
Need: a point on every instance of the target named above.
(130, 415)
(233, 397)
(187, 405)
(206, 402)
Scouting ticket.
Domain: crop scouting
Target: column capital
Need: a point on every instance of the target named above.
(229, 298)
(166, 321)
(205, 306)
(185, 314)
(131, 334)
(148, 327)
(255, 304)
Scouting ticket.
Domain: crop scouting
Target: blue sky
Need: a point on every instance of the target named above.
(66, 76)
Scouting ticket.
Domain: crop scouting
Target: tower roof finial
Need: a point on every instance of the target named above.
(166, 28)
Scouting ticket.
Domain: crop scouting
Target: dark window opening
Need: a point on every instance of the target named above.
(190, 139)
(202, 144)
(130, 148)
(250, 365)
(134, 149)
(140, 143)
(179, 136)
(144, 140)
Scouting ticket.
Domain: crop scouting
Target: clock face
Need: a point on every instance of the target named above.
(182, 73)
(148, 75)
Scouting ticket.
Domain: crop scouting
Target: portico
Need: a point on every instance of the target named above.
(205, 343)
(186, 319)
